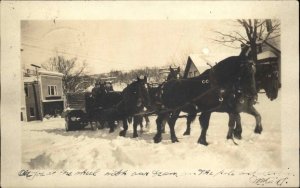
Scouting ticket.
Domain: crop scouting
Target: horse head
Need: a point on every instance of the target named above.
(269, 81)
(174, 74)
(137, 94)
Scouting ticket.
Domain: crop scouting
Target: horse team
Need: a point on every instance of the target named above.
(231, 86)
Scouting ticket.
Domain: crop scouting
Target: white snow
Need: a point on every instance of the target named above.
(46, 145)
(265, 55)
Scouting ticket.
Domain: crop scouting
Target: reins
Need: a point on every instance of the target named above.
(179, 108)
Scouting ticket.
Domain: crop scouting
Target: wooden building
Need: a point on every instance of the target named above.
(196, 64)
(43, 95)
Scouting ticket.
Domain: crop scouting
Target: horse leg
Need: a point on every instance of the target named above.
(258, 128)
(163, 126)
(171, 123)
(237, 132)
(160, 118)
(125, 128)
(111, 126)
(147, 121)
(191, 117)
(140, 122)
(204, 122)
(231, 124)
(137, 120)
(101, 126)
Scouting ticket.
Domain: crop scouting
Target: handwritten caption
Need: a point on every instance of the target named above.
(258, 178)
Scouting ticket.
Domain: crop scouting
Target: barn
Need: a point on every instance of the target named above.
(43, 95)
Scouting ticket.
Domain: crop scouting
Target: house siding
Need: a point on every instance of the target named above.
(39, 102)
(190, 70)
(51, 81)
(32, 102)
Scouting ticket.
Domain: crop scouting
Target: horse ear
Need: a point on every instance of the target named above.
(145, 79)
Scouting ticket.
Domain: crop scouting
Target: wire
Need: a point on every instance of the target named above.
(68, 53)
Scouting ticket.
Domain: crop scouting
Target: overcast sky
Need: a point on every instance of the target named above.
(122, 45)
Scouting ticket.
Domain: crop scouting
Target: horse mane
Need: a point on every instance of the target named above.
(128, 87)
(226, 71)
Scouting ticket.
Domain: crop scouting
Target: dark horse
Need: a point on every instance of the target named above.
(153, 93)
(134, 96)
(267, 79)
(210, 92)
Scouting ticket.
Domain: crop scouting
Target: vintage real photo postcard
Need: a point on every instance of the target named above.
(150, 94)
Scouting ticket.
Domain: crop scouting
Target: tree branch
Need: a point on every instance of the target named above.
(230, 46)
(273, 37)
(259, 25)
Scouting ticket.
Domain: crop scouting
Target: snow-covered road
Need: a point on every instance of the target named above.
(46, 145)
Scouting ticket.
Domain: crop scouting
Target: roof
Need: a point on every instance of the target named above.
(200, 62)
(266, 55)
(44, 72)
(199, 59)
(274, 44)
(29, 79)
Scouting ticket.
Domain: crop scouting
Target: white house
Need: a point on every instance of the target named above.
(43, 94)
(196, 64)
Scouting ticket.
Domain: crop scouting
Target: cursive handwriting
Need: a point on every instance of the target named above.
(257, 178)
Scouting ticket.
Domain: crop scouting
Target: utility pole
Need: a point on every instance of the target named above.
(36, 71)
(37, 102)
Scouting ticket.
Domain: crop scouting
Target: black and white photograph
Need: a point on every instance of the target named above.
(172, 102)
(113, 83)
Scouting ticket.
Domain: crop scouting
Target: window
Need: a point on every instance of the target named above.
(31, 112)
(52, 90)
(26, 91)
(195, 73)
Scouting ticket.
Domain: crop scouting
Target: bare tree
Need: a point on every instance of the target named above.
(70, 68)
(253, 31)
(180, 60)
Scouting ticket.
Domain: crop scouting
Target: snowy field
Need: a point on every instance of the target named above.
(46, 145)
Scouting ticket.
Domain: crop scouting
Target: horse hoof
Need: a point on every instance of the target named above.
(229, 137)
(238, 136)
(135, 136)
(122, 133)
(186, 133)
(174, 140)
(203, 142)
(157, 139)
(258, 130)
